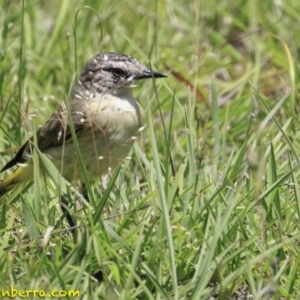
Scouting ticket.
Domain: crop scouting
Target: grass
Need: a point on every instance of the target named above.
(208, 207)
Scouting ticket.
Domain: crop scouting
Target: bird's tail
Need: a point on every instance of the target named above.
(4, 188)
(20, 176)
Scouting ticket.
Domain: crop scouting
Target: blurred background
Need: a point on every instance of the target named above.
(225, 221)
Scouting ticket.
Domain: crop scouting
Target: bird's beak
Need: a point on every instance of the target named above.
(149, 74)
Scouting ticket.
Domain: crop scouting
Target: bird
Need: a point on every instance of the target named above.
(105, 116)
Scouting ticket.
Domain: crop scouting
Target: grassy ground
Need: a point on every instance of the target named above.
(223, 219)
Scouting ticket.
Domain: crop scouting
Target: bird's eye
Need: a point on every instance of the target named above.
(118, 72)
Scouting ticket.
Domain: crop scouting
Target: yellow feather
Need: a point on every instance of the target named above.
(20, 176)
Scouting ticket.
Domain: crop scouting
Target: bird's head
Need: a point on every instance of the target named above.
(112, 72)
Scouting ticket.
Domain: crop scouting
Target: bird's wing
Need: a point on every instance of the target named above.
(54, 133)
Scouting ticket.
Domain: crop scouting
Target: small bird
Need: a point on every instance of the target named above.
(106, 120)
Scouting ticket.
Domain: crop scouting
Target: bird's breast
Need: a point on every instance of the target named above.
(118, 117)
(116, 122)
